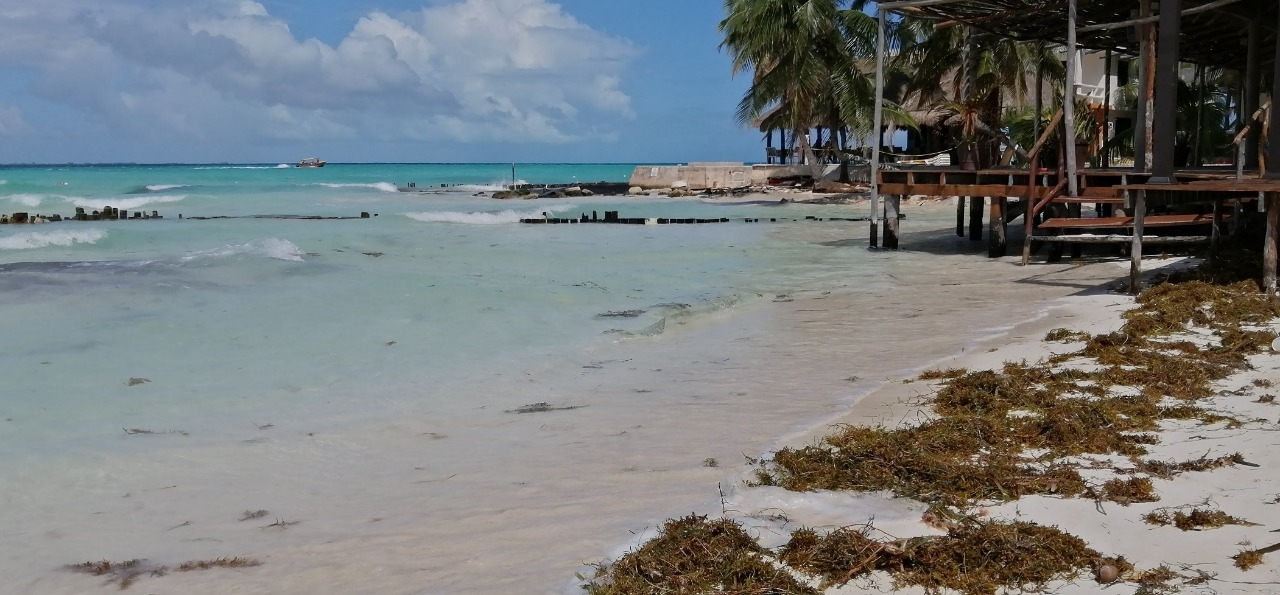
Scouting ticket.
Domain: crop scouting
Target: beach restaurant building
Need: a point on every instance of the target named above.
(1192, 204)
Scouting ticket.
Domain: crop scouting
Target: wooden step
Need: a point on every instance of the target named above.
(1123, 222)
(1122, 239)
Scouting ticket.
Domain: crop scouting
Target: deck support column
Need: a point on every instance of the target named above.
(1215, 234)
(1069, 101)
(892, 207)
(1146, 80)
(1273, 139)
(1074, 211)
(1271, 245)
(960, 216)
(976, 204)
(998, 235)
(1252, 93)
(878, 134)
(1135, 252)
(1166, 116)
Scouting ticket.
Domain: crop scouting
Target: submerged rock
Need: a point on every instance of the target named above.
(621, 314)
(543, 408)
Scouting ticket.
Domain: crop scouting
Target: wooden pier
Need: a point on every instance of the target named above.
(612, 218)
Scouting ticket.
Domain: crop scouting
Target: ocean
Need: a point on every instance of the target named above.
(435, 399)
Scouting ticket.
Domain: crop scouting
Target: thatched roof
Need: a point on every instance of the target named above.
(1212, 35)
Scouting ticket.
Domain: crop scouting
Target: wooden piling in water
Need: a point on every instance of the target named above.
(892, 207)
(998, 236)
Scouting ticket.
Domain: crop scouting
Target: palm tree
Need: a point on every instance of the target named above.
(806, 59)
(975, 74)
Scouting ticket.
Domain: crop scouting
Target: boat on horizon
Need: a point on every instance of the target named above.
(310, 162)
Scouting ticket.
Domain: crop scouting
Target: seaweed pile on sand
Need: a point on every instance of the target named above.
(995, 436)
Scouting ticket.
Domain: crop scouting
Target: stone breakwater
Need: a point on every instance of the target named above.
(106, 214)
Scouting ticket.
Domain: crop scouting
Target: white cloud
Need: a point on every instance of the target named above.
(227, 69)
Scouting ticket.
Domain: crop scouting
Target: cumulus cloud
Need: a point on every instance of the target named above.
(225, 69)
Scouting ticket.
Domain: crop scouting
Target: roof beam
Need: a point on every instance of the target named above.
(900, 4)
(1193, 10)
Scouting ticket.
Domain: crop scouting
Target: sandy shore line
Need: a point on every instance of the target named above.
(1204, 559)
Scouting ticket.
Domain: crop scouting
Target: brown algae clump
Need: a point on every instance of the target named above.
(697, 555)
(1196, 519)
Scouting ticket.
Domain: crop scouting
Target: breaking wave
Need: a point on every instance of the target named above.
(163, 187)
(31, 240)
(486, 218)
(274, 248)
(380, 186)
(27, 200)
(125, 203)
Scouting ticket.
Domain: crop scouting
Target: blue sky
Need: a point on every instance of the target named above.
(367, 80)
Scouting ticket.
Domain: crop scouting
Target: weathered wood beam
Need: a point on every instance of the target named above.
(1120, 239)
(958, 189)
(1135, 251)
(1145, 20)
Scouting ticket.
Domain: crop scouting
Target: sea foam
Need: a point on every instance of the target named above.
(31, 240)
(125, 203)
(27, 200)
(274, 248)
(163, 187)
(379, 186)
(486, 218)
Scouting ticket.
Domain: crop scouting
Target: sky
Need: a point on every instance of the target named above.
(270, 81)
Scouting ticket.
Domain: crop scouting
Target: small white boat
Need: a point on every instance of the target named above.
(310, 162)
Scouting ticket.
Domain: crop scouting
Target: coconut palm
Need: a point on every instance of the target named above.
(807, 59)
(975, 74)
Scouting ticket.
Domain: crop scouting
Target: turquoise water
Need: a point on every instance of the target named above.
(296, 364)
(433, 287)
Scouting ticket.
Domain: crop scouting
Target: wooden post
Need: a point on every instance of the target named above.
(1073, 210)
(1135, 253)
(1146, 89)
(976, 204)
(1273, 135)
(1252, 90)
(1029, 215)
(960, 216)
(1069, 101)
(1215, 235)
(1271, 245)
(998, 235)
(892, 207)
(877, 134)
(1106, 113)
(1166, 108)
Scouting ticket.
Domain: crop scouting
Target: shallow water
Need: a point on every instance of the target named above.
(361, 377)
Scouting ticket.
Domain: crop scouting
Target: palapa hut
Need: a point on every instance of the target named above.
(1238, 35)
